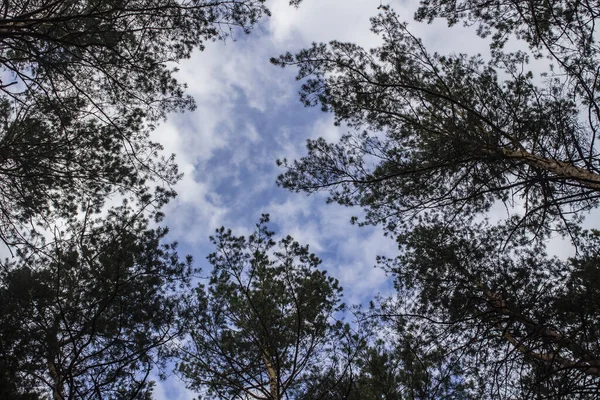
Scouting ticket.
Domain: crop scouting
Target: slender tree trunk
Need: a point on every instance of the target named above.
(58, 390)
(272, 376)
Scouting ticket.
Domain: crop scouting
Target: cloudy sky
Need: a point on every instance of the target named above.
(249, 115)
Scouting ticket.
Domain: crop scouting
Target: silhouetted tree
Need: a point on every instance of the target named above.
(265, 321)
(447, 134)
(436, 141)
(520, 323)
(83, 84)
(87, 318)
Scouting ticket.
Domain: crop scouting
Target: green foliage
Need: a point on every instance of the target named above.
(407, 369)
(503, 309)
(264, 321)
(384, 360)
(87, 317)
(84, 82)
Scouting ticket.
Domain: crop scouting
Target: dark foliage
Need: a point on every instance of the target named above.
(265, 321)
(521, 324)
(86, 318)
(446, 134)
(83, 83)
(436, 142)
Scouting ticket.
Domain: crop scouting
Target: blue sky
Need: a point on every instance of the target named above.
(249, 115)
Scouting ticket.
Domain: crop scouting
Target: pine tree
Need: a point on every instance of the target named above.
(87, 317)
(83, 84)
(435, 142)
(264, 323)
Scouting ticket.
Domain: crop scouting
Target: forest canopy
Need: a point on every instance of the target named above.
(83, 83)
(435, 141)
(97, 301)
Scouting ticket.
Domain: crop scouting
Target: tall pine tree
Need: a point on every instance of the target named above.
(435, 142)
(265, 322)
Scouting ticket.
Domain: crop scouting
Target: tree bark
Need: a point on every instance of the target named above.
(272, 376)
(559, 168)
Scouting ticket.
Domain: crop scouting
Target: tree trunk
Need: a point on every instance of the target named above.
(57, 384)
(272, 376)
(58, 390)
(559, 168)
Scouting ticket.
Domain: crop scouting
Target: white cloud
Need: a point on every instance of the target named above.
(172, 389)
(322, 21)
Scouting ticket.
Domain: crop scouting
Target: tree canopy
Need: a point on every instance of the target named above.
(87, 318)
(264, 323)
(435, 142)
(83, 83)
(481, 308)
(517, 322)
(447, 133)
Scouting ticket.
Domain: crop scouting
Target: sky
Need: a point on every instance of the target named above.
(249, 116)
